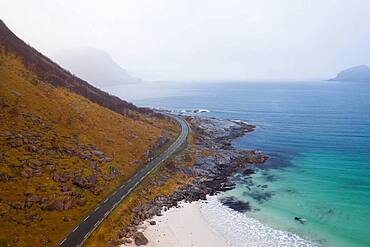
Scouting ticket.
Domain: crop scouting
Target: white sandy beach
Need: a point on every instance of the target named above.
(182, 227)
(200, 224)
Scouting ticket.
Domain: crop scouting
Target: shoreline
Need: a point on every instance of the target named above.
(182, 226)
(211, 223)
(216, 161)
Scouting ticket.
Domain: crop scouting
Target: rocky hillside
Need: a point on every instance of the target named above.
(64, 145)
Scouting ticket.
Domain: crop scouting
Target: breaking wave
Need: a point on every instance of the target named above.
(239, 230)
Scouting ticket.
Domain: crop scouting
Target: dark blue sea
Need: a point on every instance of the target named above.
(317, 135)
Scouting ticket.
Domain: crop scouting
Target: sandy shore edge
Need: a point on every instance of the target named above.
(182, 226)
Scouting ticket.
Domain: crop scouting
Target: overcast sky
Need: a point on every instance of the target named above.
(204, 39)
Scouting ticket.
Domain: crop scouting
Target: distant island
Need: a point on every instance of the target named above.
(358, 74)
(95, 66)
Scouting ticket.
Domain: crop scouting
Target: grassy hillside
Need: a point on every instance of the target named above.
(61, 153)
(165, 181)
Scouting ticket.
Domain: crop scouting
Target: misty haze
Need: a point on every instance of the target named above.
(184, 123)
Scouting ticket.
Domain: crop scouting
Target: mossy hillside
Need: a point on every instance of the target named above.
(163, 182)
(60, 154)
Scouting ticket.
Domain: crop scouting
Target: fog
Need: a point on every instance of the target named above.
(203, 39)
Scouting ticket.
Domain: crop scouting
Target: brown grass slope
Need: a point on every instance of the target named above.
(164, 182)
(61, 153)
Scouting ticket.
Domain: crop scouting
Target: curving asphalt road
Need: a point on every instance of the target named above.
(83, 230)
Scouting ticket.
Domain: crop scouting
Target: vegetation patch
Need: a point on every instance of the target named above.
(61, 154)
(163, 182)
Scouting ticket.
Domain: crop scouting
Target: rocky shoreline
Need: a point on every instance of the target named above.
(211, 173)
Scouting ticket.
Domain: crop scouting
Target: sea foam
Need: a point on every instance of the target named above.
(195, 111)
(239, 230)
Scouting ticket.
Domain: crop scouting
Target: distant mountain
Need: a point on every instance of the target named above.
(359, 73)
(95, 66)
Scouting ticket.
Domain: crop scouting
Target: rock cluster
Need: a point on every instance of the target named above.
(52, 173)
(40, 156)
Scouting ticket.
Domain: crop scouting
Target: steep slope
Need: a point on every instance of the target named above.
(61, 149)
(356, 74)
(50, 72)
(95, 66)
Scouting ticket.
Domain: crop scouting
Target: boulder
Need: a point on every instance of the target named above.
(128, 240)
(105, 160)
(59, 205)
(31, 148)
(92, 179)
(81, 203)
(137, 222)
(59, 178)
(66, 219)
(64, 189)
(26, 174)
(140, 239)
(85, 156)
(121, 234)
(248, 172)
(79, 181)
(97, 153)
(56, 205)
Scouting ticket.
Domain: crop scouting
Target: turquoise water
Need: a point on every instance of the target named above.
(317, 135)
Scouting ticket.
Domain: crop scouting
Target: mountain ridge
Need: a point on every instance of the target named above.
(95, 66)
(51, 72)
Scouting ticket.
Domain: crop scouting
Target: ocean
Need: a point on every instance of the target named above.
(317, 135)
